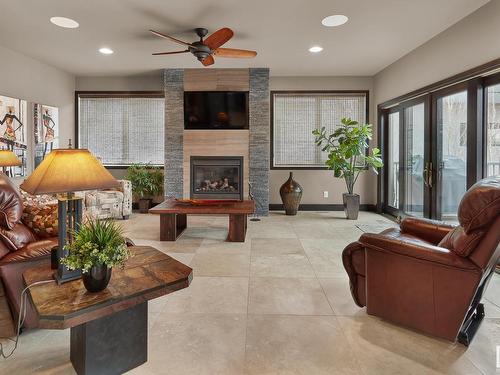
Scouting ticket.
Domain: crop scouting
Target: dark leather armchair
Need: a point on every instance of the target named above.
(19, 249)
(428, 275)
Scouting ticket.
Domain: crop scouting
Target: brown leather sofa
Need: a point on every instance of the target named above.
(428, 275)
(19, 249)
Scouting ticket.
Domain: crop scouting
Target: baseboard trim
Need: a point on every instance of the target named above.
(324, 207)
(303, 207)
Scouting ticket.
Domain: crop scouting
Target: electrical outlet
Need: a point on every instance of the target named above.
(325, 194)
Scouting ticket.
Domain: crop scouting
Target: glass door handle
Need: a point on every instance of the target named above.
(428, 175)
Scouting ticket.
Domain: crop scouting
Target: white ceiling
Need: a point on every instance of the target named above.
(378, 32)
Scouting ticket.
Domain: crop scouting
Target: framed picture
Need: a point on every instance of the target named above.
(13, 135)
(46, 130)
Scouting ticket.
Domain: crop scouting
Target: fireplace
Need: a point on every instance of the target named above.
(216, 177)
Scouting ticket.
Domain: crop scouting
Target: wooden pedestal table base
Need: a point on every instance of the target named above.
(173, 217)
(237, 228)
(112, 344)
(109, 329)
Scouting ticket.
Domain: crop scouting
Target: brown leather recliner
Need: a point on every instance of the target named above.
(428, 275)
(19, 249)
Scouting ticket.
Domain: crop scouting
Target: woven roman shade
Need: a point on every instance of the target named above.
(296, 115)
(122, 130)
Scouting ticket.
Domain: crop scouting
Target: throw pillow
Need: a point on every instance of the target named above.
(41, 219)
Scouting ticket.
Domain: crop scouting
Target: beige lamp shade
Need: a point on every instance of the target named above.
(68, 170)
(8, 159)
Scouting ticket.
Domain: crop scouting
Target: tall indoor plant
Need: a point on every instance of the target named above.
(98, 245)
(347, 157)
(147, 181)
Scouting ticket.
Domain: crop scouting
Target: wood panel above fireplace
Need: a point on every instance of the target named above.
(216, 80)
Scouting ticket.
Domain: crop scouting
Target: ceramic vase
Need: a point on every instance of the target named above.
(97, 278)
(291, 194)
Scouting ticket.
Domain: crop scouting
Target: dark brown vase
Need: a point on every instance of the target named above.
(97, 278)
(144, 205)
(291, 194)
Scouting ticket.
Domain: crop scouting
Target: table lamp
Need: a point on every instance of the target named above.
(63, 172)
(8, 159)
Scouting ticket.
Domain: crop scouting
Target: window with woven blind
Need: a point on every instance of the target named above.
(122, 130)
(296, 115)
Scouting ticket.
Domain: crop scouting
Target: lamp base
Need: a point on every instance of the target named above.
(70, 217)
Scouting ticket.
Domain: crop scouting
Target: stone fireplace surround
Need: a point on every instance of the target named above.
(251, 144)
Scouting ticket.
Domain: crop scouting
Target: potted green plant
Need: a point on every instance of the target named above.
(147, 181)
(98, 246)
(347, 157)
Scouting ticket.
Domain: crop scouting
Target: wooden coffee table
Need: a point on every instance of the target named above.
(109, 329)
(173, 217)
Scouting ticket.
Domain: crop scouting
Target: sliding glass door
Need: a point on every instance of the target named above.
(438, 145)
(450, 149)
(406, 159)
(414, 159)
(492, 130)
(392, 165)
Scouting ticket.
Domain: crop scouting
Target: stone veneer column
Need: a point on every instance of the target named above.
(259, 138)
(173, 80)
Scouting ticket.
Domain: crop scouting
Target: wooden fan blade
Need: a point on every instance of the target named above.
(169, 53)
(236, 53)
(171, 38)
(218, 38)
(209, 60)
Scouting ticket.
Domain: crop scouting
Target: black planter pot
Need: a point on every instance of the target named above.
(291, 194)
(351, 205)
(97, 278)
(144, 205)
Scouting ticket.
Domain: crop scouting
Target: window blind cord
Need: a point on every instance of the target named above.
(21, 318)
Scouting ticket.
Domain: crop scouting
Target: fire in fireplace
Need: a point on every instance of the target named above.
(217, 177)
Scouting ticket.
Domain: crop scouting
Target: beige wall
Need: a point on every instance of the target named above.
(36, 82)
(315, 182)
(468, 43)
(141, 82)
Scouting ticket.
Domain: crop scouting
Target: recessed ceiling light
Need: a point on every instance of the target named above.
(67, 23)
(106, 51)
(315, 49)
(335, 20)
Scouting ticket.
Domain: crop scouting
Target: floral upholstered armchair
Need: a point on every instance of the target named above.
(110, 204)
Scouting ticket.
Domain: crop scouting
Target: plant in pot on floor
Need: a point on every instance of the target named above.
(347, 157)
(147, 182)
(98, 246)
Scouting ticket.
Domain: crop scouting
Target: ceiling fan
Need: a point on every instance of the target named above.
(206, 49)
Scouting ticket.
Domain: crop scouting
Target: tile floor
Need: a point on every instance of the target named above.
(277, 304)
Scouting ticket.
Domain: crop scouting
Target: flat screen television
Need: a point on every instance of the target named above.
(215, 110)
